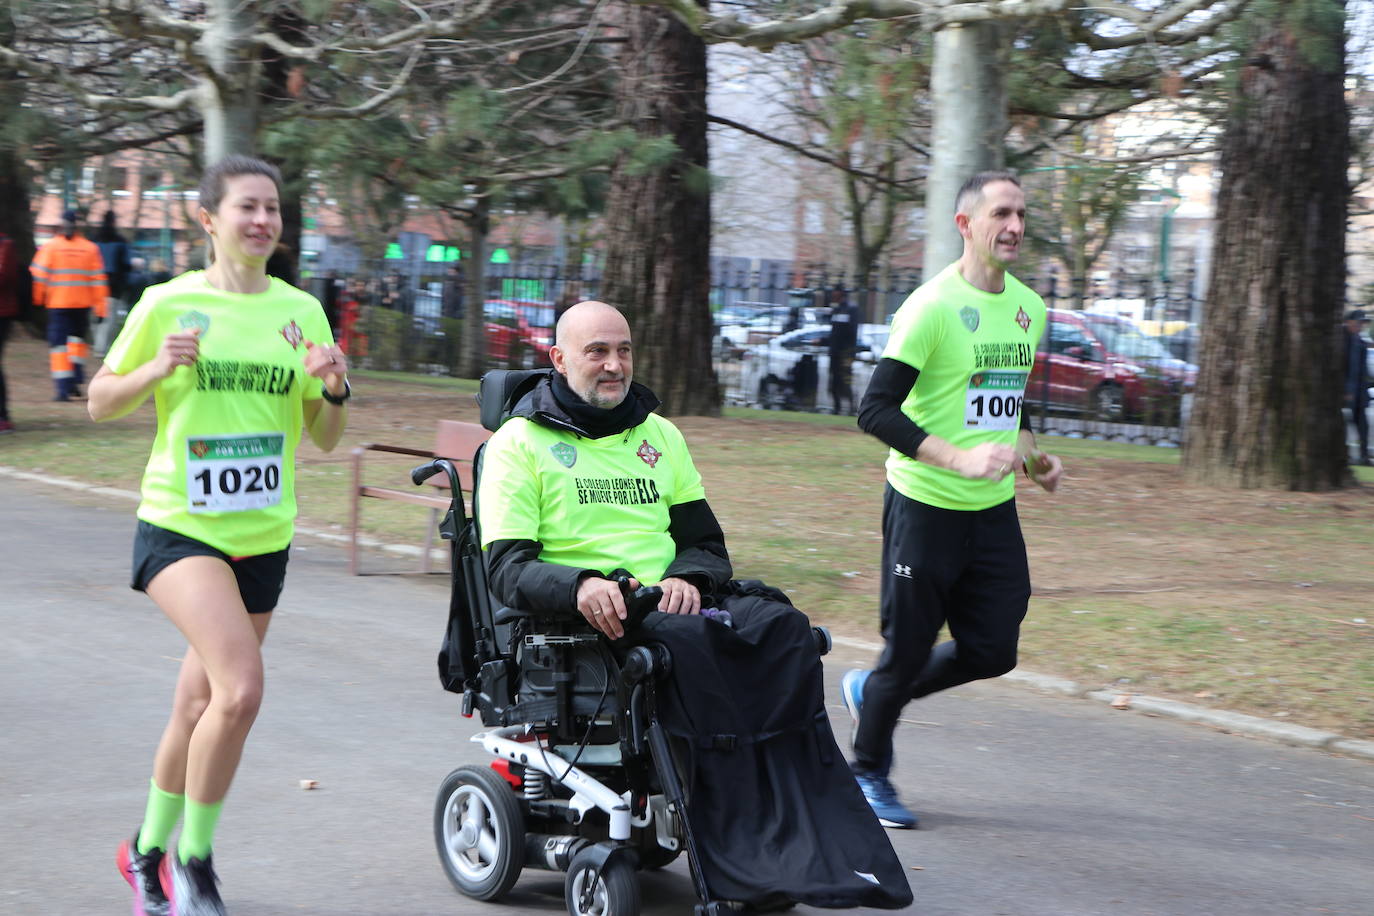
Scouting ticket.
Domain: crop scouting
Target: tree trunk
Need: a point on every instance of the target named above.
(968, 91)
(1268, 403)
(16, 220)
(474, 352)
(659, 219)
(230, 109)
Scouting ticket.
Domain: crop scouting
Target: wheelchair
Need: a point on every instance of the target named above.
(584, 778)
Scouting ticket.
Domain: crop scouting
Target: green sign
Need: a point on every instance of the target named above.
(500, 256)
(442, 254)
(394, 253)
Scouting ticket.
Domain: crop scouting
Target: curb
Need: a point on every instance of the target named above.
(405, 550)
(1224, 720)
(1233, 722)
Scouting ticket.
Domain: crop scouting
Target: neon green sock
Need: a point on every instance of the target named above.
(161, 815)
(198, 832)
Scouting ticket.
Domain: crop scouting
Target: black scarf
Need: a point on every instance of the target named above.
(596, 421)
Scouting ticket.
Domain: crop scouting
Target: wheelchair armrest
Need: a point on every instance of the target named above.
(510, 615)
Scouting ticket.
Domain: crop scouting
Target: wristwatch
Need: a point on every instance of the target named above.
(336, 399)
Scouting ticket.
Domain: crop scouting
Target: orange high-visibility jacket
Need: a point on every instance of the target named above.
(69, 274)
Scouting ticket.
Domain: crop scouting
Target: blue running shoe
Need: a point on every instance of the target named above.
(852, 693)
(882, 798)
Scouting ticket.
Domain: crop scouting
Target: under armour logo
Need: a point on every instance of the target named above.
(901, 570)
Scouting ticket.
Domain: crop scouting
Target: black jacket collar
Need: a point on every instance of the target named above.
(541, 406)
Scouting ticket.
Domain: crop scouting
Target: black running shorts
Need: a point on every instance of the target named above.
(260, 578)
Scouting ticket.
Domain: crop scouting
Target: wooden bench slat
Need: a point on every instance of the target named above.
(456, 440)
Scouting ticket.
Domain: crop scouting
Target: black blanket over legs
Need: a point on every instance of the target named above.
(776, 814)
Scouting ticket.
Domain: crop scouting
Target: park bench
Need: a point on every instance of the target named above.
(454, 440)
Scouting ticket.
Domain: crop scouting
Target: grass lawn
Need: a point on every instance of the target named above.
(1256, 601)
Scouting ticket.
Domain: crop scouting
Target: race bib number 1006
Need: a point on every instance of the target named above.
(233, 473)
(993, 400)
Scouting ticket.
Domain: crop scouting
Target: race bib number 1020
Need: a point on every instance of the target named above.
(233, 473)
(993, 400)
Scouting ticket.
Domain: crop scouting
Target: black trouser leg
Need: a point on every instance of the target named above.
(922, 552)
(967, 568)
(986, 607)
(1361, 426)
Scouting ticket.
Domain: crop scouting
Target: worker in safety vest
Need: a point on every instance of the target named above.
(69, 280)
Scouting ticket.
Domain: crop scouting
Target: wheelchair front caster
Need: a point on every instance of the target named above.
(593, 889)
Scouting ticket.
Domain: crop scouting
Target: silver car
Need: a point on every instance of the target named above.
(793, 370)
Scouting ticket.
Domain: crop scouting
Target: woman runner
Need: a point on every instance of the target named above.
(237, 363)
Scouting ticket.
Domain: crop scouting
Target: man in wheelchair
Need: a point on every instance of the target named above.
(584, 495)
(567, 497)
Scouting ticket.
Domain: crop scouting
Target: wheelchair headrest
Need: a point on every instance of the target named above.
(501, 389)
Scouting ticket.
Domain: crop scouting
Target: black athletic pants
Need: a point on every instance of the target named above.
(1358, 403)
(941, 565)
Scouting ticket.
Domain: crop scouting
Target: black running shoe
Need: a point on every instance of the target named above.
(193, 888)
(147, 873)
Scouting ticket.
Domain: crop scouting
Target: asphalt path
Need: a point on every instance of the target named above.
(1031, 804)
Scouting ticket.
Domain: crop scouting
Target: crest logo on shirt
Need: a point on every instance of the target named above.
(565, 453)
(648, 454)
(199, 449)
(969, 314)
(191, 321)
(293, 334)
(1023, 319)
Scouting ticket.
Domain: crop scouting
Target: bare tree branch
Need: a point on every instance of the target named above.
(426, 30)
(938, 14)
(178, 102)
(1179, 152)
(397, 86)
(809, 153)
(141, 19)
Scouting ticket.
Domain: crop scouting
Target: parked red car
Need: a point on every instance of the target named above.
(1107, 368)
(519, 333)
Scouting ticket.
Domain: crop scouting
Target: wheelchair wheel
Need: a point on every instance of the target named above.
(616, 889)
(480, 832)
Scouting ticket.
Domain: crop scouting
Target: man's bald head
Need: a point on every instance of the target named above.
(592, 350)
(577, 316)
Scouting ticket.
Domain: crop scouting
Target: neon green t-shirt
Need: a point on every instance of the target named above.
(222, 467)
(592, 503)
(974, 351)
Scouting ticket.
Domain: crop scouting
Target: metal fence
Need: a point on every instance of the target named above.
(1116, 362)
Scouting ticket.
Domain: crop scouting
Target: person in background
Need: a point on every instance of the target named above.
(139, 280)
(1357, 379)
(842, 344)
(158, 272)
(452, 301)
(329, 297)
(69, 280)
(395, 295)
(11, 275)
(114, 253)
(352, 313)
